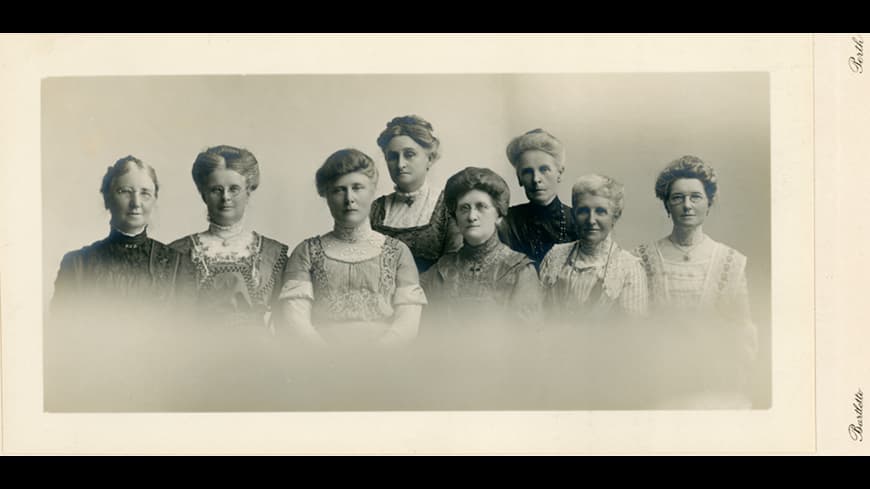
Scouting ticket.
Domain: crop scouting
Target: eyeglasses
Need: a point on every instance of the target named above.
(144, 193)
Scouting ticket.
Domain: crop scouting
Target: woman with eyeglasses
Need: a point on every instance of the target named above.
(236, 271)
(127, 268)
(698, 287)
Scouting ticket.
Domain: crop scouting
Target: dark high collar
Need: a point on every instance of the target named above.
(469, 252)
(553, 209)
(119, 238)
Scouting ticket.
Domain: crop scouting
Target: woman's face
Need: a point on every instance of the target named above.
(408, 163)
(539, 175)
(595, 219)
(350, 198)
(226, 195)
(476, 216)
(687, 202)
(131, 199)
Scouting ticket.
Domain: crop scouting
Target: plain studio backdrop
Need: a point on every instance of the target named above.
(627, 126)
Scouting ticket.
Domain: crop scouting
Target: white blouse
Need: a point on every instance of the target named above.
(408, 210)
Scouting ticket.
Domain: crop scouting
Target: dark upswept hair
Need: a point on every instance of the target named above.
(601, 186)
(416, 128)
(687, 167)
(121, 167)
(226, 157)
(537, 139)
(475, 178)
(341, 163)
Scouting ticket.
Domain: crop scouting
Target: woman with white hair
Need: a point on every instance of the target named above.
(593, 275)
(533, 228)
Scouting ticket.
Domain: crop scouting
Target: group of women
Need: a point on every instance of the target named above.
(419, 259)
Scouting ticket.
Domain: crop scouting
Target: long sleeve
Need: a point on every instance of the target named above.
(64, 285)
(408, 301)
(297, 296)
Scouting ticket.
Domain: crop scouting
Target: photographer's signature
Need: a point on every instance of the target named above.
(856, 63)
(856, 430)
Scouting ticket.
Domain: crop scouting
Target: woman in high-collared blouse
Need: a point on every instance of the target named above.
(352, 286)
(689, 273)
(593, 278)
(127, 268)
(484, 281)
(414, 213)
(114, 302)
(533, 228)
(698, 287)
(236, 272)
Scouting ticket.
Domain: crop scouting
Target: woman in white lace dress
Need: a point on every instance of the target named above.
(698, 288)
(593, 278)
(352, 285)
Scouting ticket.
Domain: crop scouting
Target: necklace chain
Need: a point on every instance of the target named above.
(687, 250)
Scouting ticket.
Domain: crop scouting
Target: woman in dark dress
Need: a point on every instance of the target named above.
(236, 271)
(127, 268)
(113, 307)
(414, 213)
(534, 227)
(485, 281)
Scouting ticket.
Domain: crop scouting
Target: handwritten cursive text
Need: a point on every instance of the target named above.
(856, 430)
(856, 63)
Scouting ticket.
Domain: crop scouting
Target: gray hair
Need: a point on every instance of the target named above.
(601, 186)
(536, 139)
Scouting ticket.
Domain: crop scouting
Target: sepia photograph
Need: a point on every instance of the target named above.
(532, 245)
(396, 242)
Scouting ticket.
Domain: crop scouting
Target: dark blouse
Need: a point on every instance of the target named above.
(240, 292)
(532, 229)
(489, 283)
(118, 270)
(427, 242)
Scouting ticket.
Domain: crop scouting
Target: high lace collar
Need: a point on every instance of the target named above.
(480, 251)
(355, 234)
(410, 197)
(596, 251)
(119, 237)
(226, 232)
(417, 193)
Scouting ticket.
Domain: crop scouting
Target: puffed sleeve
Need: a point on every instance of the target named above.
(634, 299)
(297, 275)
(296, 299)
(408, 289)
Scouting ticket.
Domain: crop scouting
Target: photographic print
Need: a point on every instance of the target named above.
(568, 254)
